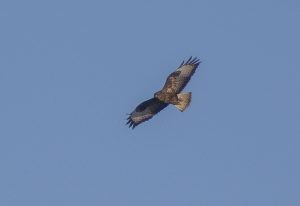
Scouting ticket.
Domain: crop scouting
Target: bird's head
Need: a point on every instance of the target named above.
(157, 94)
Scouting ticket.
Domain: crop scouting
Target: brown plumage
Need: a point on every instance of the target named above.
(170, 94)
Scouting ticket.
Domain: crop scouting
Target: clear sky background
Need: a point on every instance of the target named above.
(71, 70)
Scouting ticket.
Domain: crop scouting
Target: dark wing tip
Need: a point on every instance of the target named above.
(131, 123)
(191, 61)
(182, 63)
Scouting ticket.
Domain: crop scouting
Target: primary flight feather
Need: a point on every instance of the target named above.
(170, 94)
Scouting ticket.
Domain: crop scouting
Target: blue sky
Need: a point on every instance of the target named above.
(71, 70)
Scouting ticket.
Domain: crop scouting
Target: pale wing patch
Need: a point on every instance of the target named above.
(141, 118)
(187, 70)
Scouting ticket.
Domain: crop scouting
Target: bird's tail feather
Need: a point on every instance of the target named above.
(185, 99)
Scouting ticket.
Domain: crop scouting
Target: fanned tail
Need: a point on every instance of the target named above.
(185, 99)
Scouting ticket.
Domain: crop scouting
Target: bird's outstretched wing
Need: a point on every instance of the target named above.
(177, 80)
(145, 111)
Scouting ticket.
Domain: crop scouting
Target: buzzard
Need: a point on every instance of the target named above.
(170, 94)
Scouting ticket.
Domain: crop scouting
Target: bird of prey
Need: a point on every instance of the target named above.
(170, 94)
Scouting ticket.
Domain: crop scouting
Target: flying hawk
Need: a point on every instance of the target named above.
(170, 94)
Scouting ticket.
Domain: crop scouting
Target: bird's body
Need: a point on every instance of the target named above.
(170, 94)
(170, 98)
